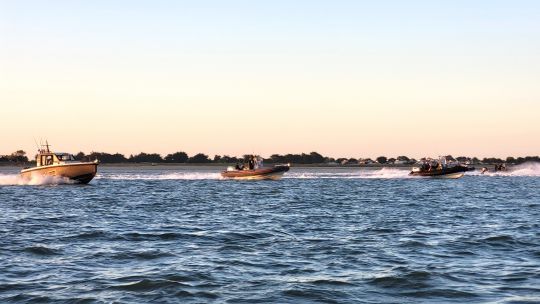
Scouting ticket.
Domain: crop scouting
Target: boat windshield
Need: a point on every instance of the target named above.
(64, 157)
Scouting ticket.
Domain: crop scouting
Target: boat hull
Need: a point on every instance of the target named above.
(450, 173)
(274, 173)
(81, 173)
(450, 176)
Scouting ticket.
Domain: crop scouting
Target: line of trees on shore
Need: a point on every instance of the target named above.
(303, 158)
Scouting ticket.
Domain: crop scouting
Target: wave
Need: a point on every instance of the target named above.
(35, 180)
(41, 250)
(410, 279)
(134, 255)
(149, 285)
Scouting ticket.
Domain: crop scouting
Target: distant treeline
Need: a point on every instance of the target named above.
(16, 157)
(200, 158)
(303, 158)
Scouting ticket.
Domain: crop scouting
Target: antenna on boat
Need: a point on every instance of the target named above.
(37, 146)
(47, 146)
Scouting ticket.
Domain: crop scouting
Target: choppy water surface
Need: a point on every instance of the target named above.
(181, 235)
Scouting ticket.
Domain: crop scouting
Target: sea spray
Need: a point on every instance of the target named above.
(525, 169)
(35, 180)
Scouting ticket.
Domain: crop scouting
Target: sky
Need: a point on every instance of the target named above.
(343, 78)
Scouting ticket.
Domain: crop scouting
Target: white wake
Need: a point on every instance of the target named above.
(167, 176)
(526, 169)
(384, 173)
(35, 180)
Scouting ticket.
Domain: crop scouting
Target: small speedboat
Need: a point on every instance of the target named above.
(60, 165)
(440, 169)
(449, 172)
(497, 168)
(274, 173)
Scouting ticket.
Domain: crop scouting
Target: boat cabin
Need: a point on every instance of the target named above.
(49, 158)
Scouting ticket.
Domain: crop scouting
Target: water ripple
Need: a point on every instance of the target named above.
(316, 237)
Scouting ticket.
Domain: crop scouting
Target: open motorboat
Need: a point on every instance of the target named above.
(61, 165)
(440, 169)
(255, 170)
(274, 173)
(496, 168)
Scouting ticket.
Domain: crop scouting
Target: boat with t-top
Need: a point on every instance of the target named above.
(255, 170)
(60, 165)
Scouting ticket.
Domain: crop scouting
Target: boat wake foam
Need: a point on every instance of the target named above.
(319, 175)
(361, 174)
(168, 176)
(17, 180)
(387, 173)
(526, 169)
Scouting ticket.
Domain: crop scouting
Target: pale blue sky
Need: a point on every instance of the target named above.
(340, 77)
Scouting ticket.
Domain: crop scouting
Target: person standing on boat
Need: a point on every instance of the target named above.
(251, 162)
(258, 162)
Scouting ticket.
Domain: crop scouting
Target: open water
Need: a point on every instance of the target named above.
(183, 235)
